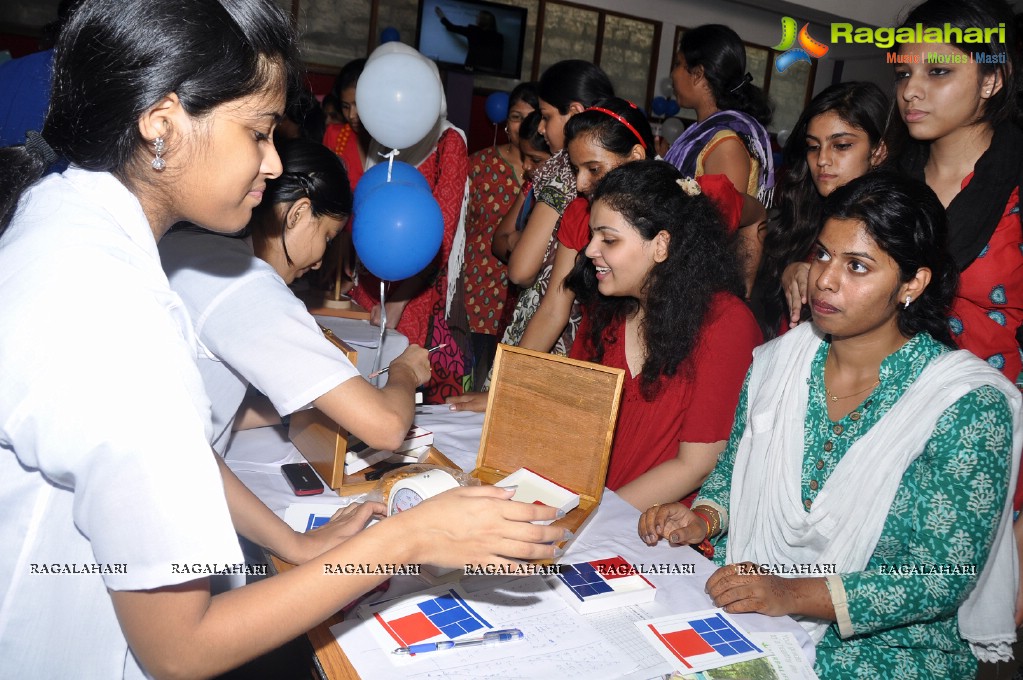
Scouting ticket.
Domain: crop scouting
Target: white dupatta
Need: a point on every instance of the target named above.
(769, 524)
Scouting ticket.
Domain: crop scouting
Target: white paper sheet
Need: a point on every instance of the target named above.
(558, 642)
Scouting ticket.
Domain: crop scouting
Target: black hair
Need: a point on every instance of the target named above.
(700, 263)
(610, 132)
(574, 81)
(330, 98)
(115, 59)
(529, 132)
(719, 50)
(907, 221)
(796, 220)
(348, 76)
(963, 14)
(311, 171)
(525, 92)
(308, 117)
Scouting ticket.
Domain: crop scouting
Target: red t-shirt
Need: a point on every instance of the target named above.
(574, 231)
(699, 409)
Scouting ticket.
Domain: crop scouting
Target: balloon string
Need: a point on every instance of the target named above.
(380, 344)
(390, 161)
(495, 134)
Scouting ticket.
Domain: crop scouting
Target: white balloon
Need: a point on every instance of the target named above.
(783, 137)
(399, 96)
(671, 128)
(667, 89)
(393, 47)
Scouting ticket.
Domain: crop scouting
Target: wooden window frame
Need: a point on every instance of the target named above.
(598, 48)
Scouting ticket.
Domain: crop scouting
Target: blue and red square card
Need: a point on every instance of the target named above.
(599, 585)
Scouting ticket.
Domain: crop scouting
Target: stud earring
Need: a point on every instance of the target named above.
(158, 162)
(909, 298)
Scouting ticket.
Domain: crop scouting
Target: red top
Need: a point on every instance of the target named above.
(988, 307)
(574, 232)
(575, 222)
(341, 139)
(493, 188)
(699, 408)
(423, 319)
(722, 193)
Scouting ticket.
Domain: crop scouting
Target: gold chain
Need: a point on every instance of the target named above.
(834, 398)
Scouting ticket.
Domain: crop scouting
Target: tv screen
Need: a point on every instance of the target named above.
(482, 37)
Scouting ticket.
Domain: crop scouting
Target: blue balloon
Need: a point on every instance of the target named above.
(497, 107)
(389, 34)
(398, 231)
(673, 108)
(377, 175)
(659, 106)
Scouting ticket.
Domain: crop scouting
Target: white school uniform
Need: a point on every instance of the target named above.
(104, 430)
(250, 327)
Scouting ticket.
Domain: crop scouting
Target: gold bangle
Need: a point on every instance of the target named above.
(714, 517)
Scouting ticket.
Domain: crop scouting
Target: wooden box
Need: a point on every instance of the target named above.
(555, 416)
(324, 443)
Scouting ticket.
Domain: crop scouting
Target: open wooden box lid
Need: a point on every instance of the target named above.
(555, 416)
(324, 443)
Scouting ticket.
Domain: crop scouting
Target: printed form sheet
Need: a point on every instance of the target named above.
(557, 642)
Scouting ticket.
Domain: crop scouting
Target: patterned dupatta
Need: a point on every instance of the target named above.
(684, 152)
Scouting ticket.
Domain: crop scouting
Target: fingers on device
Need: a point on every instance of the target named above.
(302, 479)
(411, 491)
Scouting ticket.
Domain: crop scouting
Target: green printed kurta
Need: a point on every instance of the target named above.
(945, 512)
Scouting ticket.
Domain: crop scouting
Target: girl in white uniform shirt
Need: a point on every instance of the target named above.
(252, 329)
(107, 482)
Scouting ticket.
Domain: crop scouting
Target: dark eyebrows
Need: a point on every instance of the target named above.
(848, 253)
(834, 136)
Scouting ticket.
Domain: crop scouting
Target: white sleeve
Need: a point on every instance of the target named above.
(265, 334)
(110, 405)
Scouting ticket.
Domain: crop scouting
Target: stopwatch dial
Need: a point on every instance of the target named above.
(404, 499)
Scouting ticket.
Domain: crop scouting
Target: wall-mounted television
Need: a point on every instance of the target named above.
(478, 36)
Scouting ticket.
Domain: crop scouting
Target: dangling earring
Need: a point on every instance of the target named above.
(158, 162)
(909, 298)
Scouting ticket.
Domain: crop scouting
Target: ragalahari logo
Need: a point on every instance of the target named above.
(808, 47)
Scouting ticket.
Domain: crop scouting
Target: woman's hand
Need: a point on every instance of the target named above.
(417, 360)
(672, 521)
(739, 588)
(479, 525)
(470, 401)
(794, 281)
(344, 524)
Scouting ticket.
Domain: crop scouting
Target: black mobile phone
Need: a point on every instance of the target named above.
(302, 479)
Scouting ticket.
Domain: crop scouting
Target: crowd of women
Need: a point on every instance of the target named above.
(819, 359)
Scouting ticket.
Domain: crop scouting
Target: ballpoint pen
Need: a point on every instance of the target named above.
(506, 635)
(385, 370)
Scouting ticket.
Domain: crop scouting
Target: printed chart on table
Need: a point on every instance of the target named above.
(557, 641)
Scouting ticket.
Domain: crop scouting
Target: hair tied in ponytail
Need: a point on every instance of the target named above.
(746, 79)
(37, 146)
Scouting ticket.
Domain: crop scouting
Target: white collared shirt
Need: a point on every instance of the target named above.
(250, 328)
(104, 427)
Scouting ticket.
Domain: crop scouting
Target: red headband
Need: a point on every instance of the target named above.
(621, 120)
